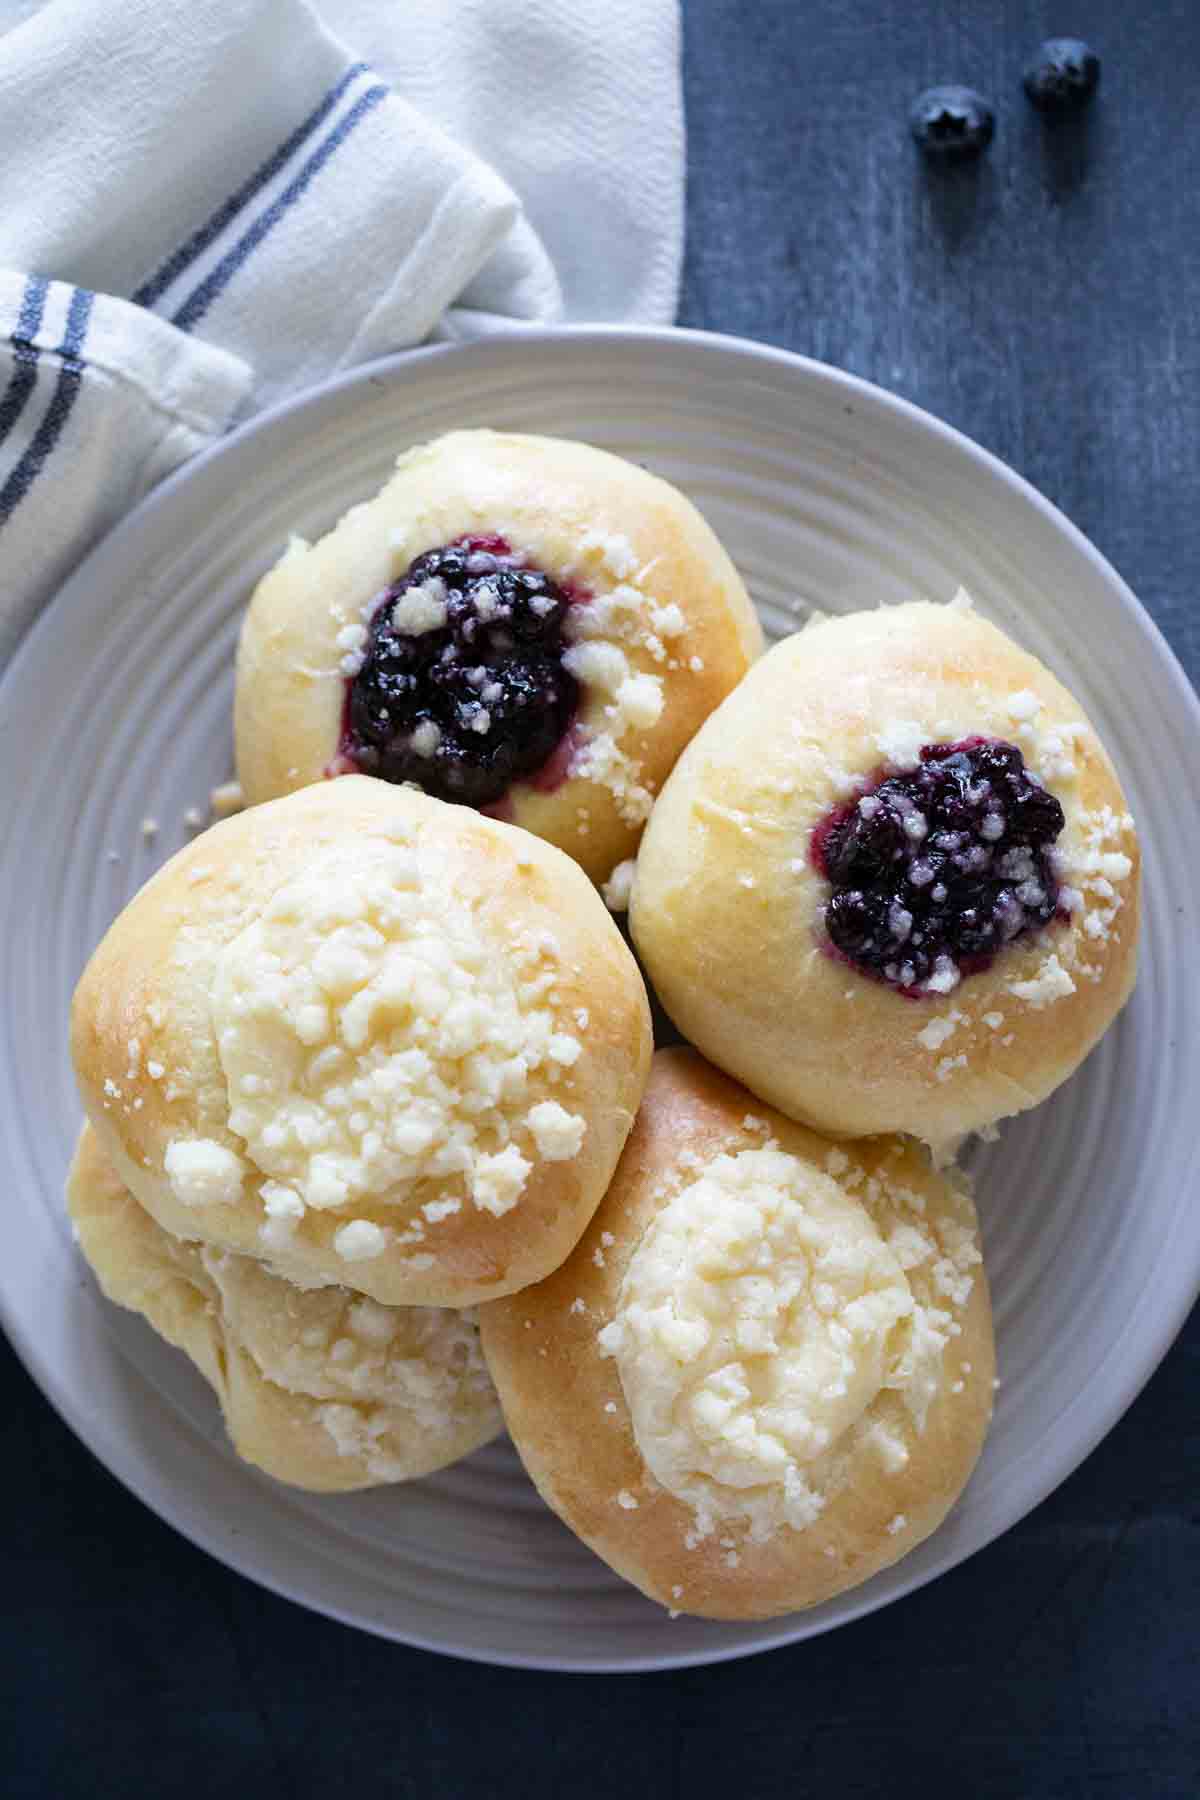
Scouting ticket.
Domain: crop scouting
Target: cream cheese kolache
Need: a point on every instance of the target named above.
(319, 1386)
(525, 625)
(370, 1039)
(893, 883)
(780, 1352)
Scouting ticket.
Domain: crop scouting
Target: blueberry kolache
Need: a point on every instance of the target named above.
(893, 882)
(528, 626)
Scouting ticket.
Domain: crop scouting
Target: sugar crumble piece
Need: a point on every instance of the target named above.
(437, 1210)
(900, 744)
(627, 1501)
(193, 819)
(933, 1035)
(896, 1525)
(1052, 982)
(498, 1180)
(425, 738)
(1024, 705)
(149, 830)
(280, 1201)
(202, 1172)
(423, 607)
(359, 1241)
(891, 1449)
(226, 800)
(557, 1133)
(945, 978)
(617, 889)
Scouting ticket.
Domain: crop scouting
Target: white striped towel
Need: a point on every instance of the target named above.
(208, 204)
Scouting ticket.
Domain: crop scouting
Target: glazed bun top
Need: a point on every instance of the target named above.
(377, 1040)
(893, 883)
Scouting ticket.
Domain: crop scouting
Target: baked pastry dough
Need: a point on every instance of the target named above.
(978, 992)
(321, 1387)
(520, 623)
(780, 1354)
(377, 1040)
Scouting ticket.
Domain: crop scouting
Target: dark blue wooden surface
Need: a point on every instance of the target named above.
(1048, 303)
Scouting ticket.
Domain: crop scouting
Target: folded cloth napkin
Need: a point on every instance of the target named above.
(208, 204)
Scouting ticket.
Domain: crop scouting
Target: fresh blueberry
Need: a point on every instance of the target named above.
(952, 122)
(1062, 75)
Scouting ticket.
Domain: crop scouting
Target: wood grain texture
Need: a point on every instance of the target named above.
(1046, 303)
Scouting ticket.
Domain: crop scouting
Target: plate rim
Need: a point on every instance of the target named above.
(393, 369)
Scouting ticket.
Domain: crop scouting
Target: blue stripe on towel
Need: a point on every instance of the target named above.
(195, 307)
(70, 374)
(156, 286)
(25, 353)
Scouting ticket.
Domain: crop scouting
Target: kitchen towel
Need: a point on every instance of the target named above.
(206, 205)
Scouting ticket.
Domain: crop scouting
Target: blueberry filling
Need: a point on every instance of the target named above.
(462, 688)
(934, 871)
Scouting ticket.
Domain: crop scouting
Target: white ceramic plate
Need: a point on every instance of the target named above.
(827, 493)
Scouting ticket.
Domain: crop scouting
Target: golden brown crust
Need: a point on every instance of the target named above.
(726, 906)
(560, 503)
(198, 1304)
(567, 1412)
(149, 985)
